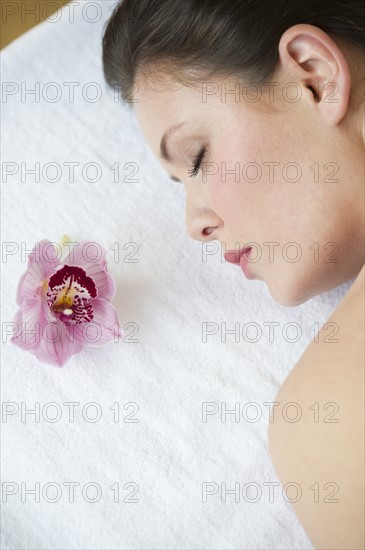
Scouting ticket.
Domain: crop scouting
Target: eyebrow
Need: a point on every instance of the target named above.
(164, 152)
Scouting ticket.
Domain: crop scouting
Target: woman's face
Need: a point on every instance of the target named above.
(280, 176)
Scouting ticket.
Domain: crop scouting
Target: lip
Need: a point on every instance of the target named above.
(241, 258)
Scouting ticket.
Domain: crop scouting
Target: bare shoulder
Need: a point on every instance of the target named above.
(325, 448)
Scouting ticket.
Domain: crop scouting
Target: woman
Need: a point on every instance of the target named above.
(256, 106)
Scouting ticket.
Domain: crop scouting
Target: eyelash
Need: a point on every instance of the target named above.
(198, 159)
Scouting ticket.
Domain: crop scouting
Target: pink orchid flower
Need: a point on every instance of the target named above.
(65, 306)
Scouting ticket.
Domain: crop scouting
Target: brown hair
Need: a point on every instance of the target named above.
(194, 39)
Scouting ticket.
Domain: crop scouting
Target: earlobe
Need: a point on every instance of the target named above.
(319, 65)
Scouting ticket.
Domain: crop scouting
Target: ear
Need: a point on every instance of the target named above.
(314, 60)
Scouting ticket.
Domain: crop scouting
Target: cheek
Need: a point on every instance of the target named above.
(247, 208)
(228, 200)
(256, 208)
(254, 188)
(240, 190)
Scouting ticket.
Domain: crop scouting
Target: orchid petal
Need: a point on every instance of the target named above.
(32, 316)
(103, 329)
(56, 347)
(39, 333)
(42, 262)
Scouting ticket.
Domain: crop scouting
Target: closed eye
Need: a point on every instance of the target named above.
(197, 162)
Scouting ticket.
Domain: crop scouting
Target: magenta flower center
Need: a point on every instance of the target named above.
(69, 295)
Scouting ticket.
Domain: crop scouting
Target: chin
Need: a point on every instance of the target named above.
(292, 289)
(291, 294)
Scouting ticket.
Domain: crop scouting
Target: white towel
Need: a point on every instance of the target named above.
(171, 458)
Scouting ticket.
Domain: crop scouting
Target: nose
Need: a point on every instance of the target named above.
(202, 224)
